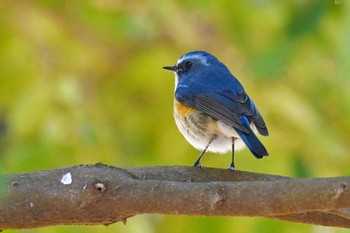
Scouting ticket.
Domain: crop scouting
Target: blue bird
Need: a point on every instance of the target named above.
(212, 109)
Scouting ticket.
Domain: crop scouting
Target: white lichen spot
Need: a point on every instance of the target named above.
(66, 179)
(31, 204)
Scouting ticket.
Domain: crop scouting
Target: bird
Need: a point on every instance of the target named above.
(212, 109)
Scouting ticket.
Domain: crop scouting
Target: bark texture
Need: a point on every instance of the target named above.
(101, 194)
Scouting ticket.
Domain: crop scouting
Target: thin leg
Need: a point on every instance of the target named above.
(198, 161)
(232, 166)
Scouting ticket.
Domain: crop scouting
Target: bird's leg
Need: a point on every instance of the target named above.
(232, 166)
(197, 163)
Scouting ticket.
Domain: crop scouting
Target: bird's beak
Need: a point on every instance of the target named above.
(172, 68)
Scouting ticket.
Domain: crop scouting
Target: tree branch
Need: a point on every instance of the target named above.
(100, 194)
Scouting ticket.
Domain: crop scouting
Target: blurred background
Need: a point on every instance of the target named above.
(81, 82)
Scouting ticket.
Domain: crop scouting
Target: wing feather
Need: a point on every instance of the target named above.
(229, 108)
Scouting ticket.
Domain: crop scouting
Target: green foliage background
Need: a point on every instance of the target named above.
(81, 82)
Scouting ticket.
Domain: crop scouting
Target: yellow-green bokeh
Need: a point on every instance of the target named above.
(81, 82)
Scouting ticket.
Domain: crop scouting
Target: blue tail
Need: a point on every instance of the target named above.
(252, 141)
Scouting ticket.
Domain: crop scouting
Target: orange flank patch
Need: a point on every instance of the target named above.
(182, 109)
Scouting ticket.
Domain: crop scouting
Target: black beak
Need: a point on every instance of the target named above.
(172, 68)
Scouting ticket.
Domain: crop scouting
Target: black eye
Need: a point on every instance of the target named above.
(188, 65)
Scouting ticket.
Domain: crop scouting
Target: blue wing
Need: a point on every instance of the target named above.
(235, 108)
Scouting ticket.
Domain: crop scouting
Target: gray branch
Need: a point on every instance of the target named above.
(100, 194)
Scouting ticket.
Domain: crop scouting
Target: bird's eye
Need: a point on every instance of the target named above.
(188, 65)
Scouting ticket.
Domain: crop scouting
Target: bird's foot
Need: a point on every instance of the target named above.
(198, 165)
(232, 168)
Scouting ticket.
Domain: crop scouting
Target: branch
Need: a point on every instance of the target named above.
(100, 194)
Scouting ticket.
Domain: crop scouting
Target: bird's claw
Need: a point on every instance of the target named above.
(198, 165)
(232, 168)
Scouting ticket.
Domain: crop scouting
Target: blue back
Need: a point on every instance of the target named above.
(207, 85)
(210, 87)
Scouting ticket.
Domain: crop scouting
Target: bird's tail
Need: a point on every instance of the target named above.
(252, 142)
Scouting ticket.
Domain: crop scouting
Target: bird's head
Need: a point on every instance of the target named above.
(193, 62)
(200, 69)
